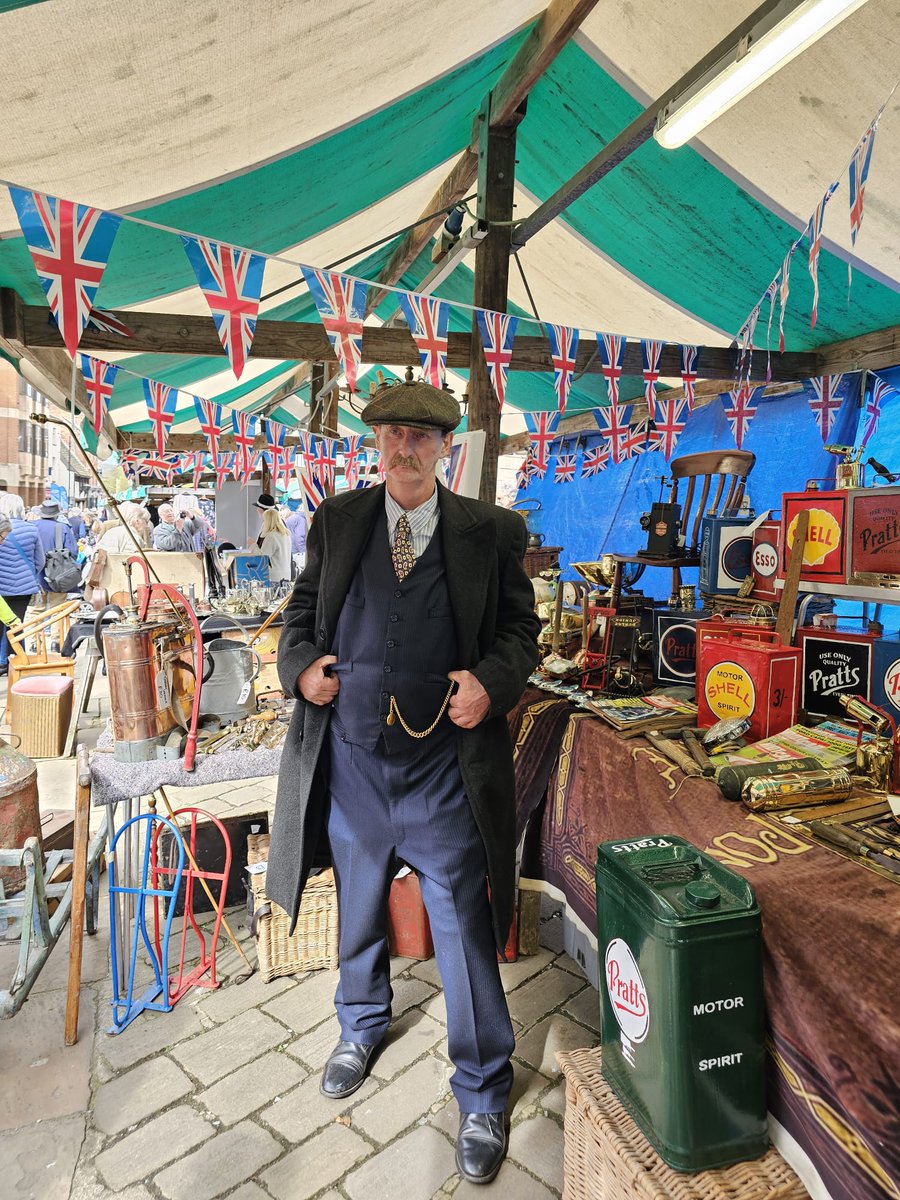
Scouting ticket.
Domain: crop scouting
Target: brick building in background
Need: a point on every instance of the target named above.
(33, 456)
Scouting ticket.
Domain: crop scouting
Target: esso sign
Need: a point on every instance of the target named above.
(627, 994)
(765, 560)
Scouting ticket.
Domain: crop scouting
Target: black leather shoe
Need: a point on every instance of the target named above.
(481, 1145)
(346, 1069)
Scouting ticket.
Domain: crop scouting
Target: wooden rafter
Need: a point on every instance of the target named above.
(557, 24)
(176, 333)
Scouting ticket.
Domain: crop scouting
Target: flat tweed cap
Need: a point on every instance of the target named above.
(416, 403)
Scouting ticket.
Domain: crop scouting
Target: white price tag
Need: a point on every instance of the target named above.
(163, 690)
(245, 692)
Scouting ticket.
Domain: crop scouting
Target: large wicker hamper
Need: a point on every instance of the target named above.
(608, 1158)
(314, 943)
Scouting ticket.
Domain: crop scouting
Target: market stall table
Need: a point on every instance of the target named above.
(831, 929)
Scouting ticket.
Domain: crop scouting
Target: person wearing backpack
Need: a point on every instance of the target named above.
(61, 573)
(21, 564)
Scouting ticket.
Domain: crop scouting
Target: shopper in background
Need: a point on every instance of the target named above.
(21, 564)
(76, 521)
(115, 540)
(274, 539)
(170, 533)
(55, 533)
(296, 526)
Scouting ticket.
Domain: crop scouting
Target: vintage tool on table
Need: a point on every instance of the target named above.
(697, 753)
(731, 778)
(857, 844)
(230, 669)
(533, 518)
(765, 794)
(876, 758)
(850, 472)
(662, 524)
(154, 684)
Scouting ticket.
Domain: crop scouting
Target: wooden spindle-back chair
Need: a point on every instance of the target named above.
(729, 470)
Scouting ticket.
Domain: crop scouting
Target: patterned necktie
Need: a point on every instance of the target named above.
(402, 551)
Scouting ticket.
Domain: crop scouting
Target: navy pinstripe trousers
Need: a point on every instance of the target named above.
(412, 806)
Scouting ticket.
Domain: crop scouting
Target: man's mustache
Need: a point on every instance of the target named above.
(400, 460)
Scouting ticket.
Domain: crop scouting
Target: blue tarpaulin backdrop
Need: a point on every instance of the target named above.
(601, 514)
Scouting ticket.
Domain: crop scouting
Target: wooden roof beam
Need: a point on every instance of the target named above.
(631, 138)
(554, 28)
(175, 333)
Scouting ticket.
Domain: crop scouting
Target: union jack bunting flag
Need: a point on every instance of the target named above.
(197, 465)
(209, 414)
(612, 355)
(353, 453)
(242, 475)
(70, 246)
(636, 440)
(224, 465)
(312, 489)
(277, 452)
(783, 293)
(497, 332)
(859, 173)
(243, 425)
(162, 466)
(563, 350)
(650, 352)
(825, 405)
(325, 460)
(282, 468)
(161, 401)
(741, 411)
(341, 304)
(689, 374)
(456, 465)
(877, 394)
(669, 426)
(107, 323)
(595, 459)
(541, 428)
(231, 281)
(814, 234)
(128, 461)
(614, 422)
(770, 294)
(564, 471)
(428, 319)
(99, 378)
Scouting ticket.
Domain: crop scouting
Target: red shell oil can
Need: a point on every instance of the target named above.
(747, 675)
(681, 998)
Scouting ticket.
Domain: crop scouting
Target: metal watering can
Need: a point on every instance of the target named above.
(229, 671)
(533, 520)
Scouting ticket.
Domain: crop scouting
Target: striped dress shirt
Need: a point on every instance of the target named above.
(422, 520)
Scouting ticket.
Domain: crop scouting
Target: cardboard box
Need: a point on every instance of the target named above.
(765, 558)
(825, 556)
(836, 662)
(743, 676)
(874, 531)
(675, 646)
(725, 550)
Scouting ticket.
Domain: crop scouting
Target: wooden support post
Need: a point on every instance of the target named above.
(80, 840)
(496, 186)
(785, 623)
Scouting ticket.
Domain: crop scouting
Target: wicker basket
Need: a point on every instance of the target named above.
(313, 945)
(608, 1158)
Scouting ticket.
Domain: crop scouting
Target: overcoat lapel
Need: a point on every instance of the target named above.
(469, 544)
(352, 526)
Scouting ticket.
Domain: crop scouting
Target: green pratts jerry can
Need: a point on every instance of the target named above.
(681, 1000)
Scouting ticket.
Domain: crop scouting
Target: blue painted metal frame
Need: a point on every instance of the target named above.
(126, 1009)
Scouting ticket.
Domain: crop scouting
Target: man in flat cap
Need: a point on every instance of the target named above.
(410, 634)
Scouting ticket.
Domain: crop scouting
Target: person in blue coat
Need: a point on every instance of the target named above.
(21, 564)
(49, 520)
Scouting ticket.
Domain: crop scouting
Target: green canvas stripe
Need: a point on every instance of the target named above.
(677, 223)
(288, 201)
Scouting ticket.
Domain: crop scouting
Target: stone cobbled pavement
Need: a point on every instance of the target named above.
(220, 1096)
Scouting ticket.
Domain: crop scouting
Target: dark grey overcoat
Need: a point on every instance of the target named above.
(496, 630)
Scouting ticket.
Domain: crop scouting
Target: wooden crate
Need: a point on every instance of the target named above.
(608, 1158)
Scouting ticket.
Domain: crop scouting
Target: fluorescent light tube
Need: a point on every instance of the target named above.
(780, 37)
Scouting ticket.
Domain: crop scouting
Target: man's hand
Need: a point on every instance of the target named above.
(470, 704)
(314, 685)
